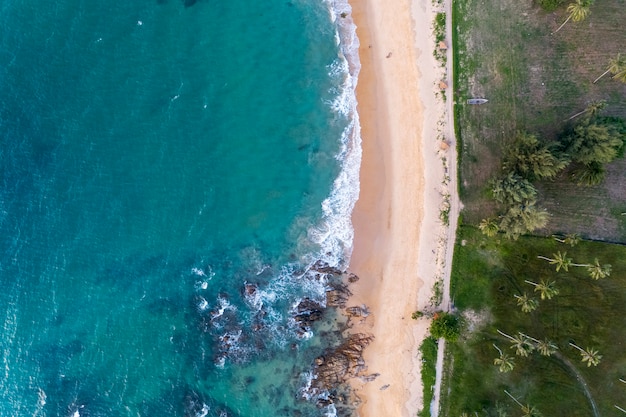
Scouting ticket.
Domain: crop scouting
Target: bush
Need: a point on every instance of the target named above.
(549, 5)
(445, 325)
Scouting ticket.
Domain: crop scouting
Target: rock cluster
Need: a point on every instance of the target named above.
(337, 295)
(342, 362)
(307, 312)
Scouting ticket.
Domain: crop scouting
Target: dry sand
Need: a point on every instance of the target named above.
(399, 243)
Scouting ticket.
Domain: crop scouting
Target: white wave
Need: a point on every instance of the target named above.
(203, 304)
(198, 272)
(306, 390)
(204, 412)
(222, 305)
(330, 411)
(335, 234)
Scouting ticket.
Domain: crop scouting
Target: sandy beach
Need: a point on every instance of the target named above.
(399, 246)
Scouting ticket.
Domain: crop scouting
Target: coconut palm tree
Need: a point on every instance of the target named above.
(531, 159)
(546, 347)
(597, 271)
(530, 411)
(592, 109)
(521, 343)
(578, 10)
(527, 303)
(546, 289)
(589, 355)
(489, 226)
(560, 260)
(571, 239)
(617, 67)
(527, 409)
(589, 174)
(522, 218)
(505, 363)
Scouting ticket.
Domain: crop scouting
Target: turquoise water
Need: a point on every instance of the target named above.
(157, 156)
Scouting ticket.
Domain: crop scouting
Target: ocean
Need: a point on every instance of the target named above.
(171, 173)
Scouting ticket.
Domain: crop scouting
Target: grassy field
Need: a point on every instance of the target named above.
(505, 52)
(487, 272)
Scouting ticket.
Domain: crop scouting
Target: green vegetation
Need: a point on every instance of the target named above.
(440, 27)
(544, 155)
(536, 356)
(578, 10)
(439, 31)
(428, 349)
(445, 326)
(539, 86)
(549, 5)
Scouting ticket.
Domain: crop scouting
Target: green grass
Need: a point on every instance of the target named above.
(504, 51)
(487, 272)
(428, 349)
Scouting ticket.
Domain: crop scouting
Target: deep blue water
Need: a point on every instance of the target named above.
(155, 157)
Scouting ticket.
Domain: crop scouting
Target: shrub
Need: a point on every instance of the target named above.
(445, 325)
(549, 5)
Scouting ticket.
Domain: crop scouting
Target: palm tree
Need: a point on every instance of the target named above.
(513, 189)
(578, 10)
(505, 363)
(528, 410)
(546, 289)
(592, 109)
(560, 260)
(522, 218)
(617, 67)
(597, 271)
(521, 343)
(527, 303)
(589, 174)
(589, 355)
(531, 159)
(546, 347)
(489, 227)
(571, 239)
(598, 141)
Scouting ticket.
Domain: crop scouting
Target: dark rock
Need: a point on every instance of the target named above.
(353, 278)
(324, 268)
(249, 290)
(341, 363)
(337, 295)
(369, 378)
(357, 311)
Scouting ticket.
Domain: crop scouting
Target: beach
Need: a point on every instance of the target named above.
(400, 242)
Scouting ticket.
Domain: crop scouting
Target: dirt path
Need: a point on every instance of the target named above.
(454, 202)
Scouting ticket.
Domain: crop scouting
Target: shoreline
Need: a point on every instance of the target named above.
(399, 241)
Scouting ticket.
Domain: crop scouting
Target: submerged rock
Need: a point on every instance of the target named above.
(307, 312)
(324, 268)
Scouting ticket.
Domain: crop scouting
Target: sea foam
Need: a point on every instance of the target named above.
(335, 234)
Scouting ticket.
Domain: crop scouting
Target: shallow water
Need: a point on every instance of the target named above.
(155, 157)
